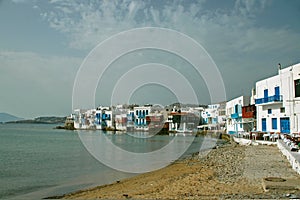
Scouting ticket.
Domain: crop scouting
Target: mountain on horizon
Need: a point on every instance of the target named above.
(5, 117)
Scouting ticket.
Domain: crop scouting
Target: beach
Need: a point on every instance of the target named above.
(230, 171)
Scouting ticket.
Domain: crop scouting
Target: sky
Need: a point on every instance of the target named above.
(44, 44)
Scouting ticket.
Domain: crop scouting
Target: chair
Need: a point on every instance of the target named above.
(267, 135)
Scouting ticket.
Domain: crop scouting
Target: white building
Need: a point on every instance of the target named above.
(130, 120)
(234, 121)
(183, 119)
(107, 119)
(120, 118)
(84, 119)
(277, 101)
(222, 114)
(93, 118)
(140, 114)
(210, 114)
(214, 116)
(121, 122)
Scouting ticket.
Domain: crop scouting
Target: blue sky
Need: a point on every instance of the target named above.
(43, 44)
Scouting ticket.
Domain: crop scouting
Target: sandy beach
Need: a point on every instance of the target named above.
(230, 171)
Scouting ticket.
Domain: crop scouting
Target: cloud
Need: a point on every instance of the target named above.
(232, 34)
(250, 8)
(88, 23)
(219, 28)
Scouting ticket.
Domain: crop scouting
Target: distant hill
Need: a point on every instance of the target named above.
(41, 120)
(5, 117)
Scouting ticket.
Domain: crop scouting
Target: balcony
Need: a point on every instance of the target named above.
(236, 115)
(270, 99)
(141, 116)
(249, 111)
(250, 114)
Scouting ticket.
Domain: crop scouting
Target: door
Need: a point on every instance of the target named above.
(263, 124)
(285, 125)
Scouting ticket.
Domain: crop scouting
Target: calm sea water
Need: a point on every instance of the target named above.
(37, 161)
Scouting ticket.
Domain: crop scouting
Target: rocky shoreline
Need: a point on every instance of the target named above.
(230, 171)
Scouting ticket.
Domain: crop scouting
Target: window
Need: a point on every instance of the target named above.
(297, 87)
(282, 110)
(269, 111)
(274, 123)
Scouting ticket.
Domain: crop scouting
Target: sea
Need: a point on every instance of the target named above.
(38, 161)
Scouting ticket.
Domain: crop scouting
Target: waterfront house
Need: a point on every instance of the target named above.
(120, 118)
(222, 114)
(214, 116)
(182, 120)
(234, 122)
(277, 101)
(155, 122)
(130, 120)
(103, 117)
(121, 122)
(99, 118)
(249, 117)
(140, 114)
(84, 119)
(107, 119)
(210, 114)
(78, 116)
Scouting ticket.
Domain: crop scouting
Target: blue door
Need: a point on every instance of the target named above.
(263, 124)
(285, 125)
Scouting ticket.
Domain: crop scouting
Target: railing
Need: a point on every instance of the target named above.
(141, 116)
(275, 98)
(141, 124)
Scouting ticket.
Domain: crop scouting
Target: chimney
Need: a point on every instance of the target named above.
(279, 68)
